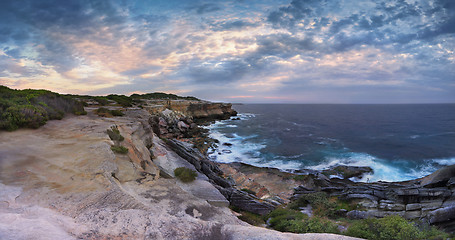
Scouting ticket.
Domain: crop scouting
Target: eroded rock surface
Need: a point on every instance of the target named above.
(62, 181)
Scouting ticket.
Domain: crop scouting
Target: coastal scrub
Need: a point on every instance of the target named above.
(185, 174)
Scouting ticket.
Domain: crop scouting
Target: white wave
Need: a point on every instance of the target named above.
(444, 162)
(382, 171)
(414, 136)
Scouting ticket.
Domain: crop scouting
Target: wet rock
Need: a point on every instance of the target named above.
(348, 171)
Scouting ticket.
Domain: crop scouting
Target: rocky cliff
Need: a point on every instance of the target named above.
(63, 181)
(193, 109)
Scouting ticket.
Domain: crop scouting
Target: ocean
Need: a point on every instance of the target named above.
(398, 141)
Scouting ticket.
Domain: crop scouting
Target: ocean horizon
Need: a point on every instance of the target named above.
(398, 141)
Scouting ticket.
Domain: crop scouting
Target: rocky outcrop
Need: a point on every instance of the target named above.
(236, 198)
(431, 198)
(210, 111)
(197, 110)
(63, 181)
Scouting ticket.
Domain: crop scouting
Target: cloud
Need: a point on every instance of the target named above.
(207, 8)
(244, 48)
(232, 25)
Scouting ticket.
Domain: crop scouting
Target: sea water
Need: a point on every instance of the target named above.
(399, 142)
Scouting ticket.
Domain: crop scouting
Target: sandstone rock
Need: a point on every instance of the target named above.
(348, 171)
(438, 178)
(431, 205)
(413, 206)
(248, 203)
(392, 207)
(412, 214)
(361, 196)
(367, 203)
(442, 214)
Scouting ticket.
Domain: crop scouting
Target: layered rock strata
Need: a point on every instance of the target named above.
(431, 198)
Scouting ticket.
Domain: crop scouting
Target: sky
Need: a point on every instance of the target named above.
(268, 51)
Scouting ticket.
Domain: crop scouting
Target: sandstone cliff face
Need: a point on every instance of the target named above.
(62, 181)
(193, 109)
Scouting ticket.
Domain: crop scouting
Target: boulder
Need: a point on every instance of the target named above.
(439, 178)
(348, 171)
(441, 215)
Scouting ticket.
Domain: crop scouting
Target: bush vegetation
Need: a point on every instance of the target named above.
(185, 174)
(33, 108)
(322, 204)
(160, 95)
(288, 220)
(104, 112)
(123, 100)
(114, 134)
(119, 149)
(391, 228)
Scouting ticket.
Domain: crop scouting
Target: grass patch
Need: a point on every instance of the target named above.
(185, 174)
(119, 149)
(392, 228)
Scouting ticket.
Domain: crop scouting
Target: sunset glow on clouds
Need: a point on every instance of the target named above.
(302, 51)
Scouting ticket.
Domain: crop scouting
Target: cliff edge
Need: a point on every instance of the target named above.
(64, 181)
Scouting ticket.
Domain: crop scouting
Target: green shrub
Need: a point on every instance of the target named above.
(117, 113)
(185, 174)
(322, 204)
(80, 113)
(114, 134)
(288, 220)
(248, 191)
(301, 177)
(119, 149)
(392, 227)
(102, 101)
(104, 112)
(121, 99)
(32, 108)
(251, 218)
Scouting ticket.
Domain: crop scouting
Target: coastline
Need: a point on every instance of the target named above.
(75, 176)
